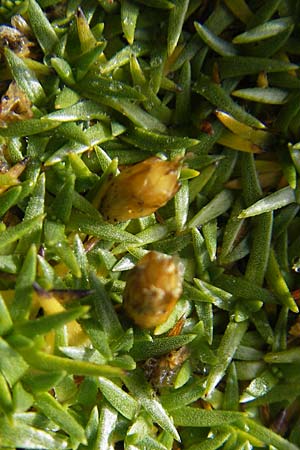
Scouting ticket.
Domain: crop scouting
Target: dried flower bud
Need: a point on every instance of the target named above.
(12, 175)
(14, 105)
(15, 40)
(17, 21)
(140, 190)
(162, 371)
(153, 287)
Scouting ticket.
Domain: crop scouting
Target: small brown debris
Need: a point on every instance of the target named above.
(14, 105)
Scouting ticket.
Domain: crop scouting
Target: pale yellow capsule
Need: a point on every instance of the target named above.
(140, 190)
(152, 289)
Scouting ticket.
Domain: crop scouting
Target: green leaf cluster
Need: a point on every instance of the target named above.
(112, 83)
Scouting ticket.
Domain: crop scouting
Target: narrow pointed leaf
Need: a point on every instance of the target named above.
(263, 31)
(278, 199)
(42, 28)
(25, 78)
(176, 20)
(118, 398)
(220, 46)
(144, 395)
(56, 412)
(217, 96)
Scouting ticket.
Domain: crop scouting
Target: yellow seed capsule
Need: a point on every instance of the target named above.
(140, 190)
(152, 289)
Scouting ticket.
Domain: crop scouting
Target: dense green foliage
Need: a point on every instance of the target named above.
(107, 83)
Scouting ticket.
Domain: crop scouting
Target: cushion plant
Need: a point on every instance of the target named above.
(90, 88)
